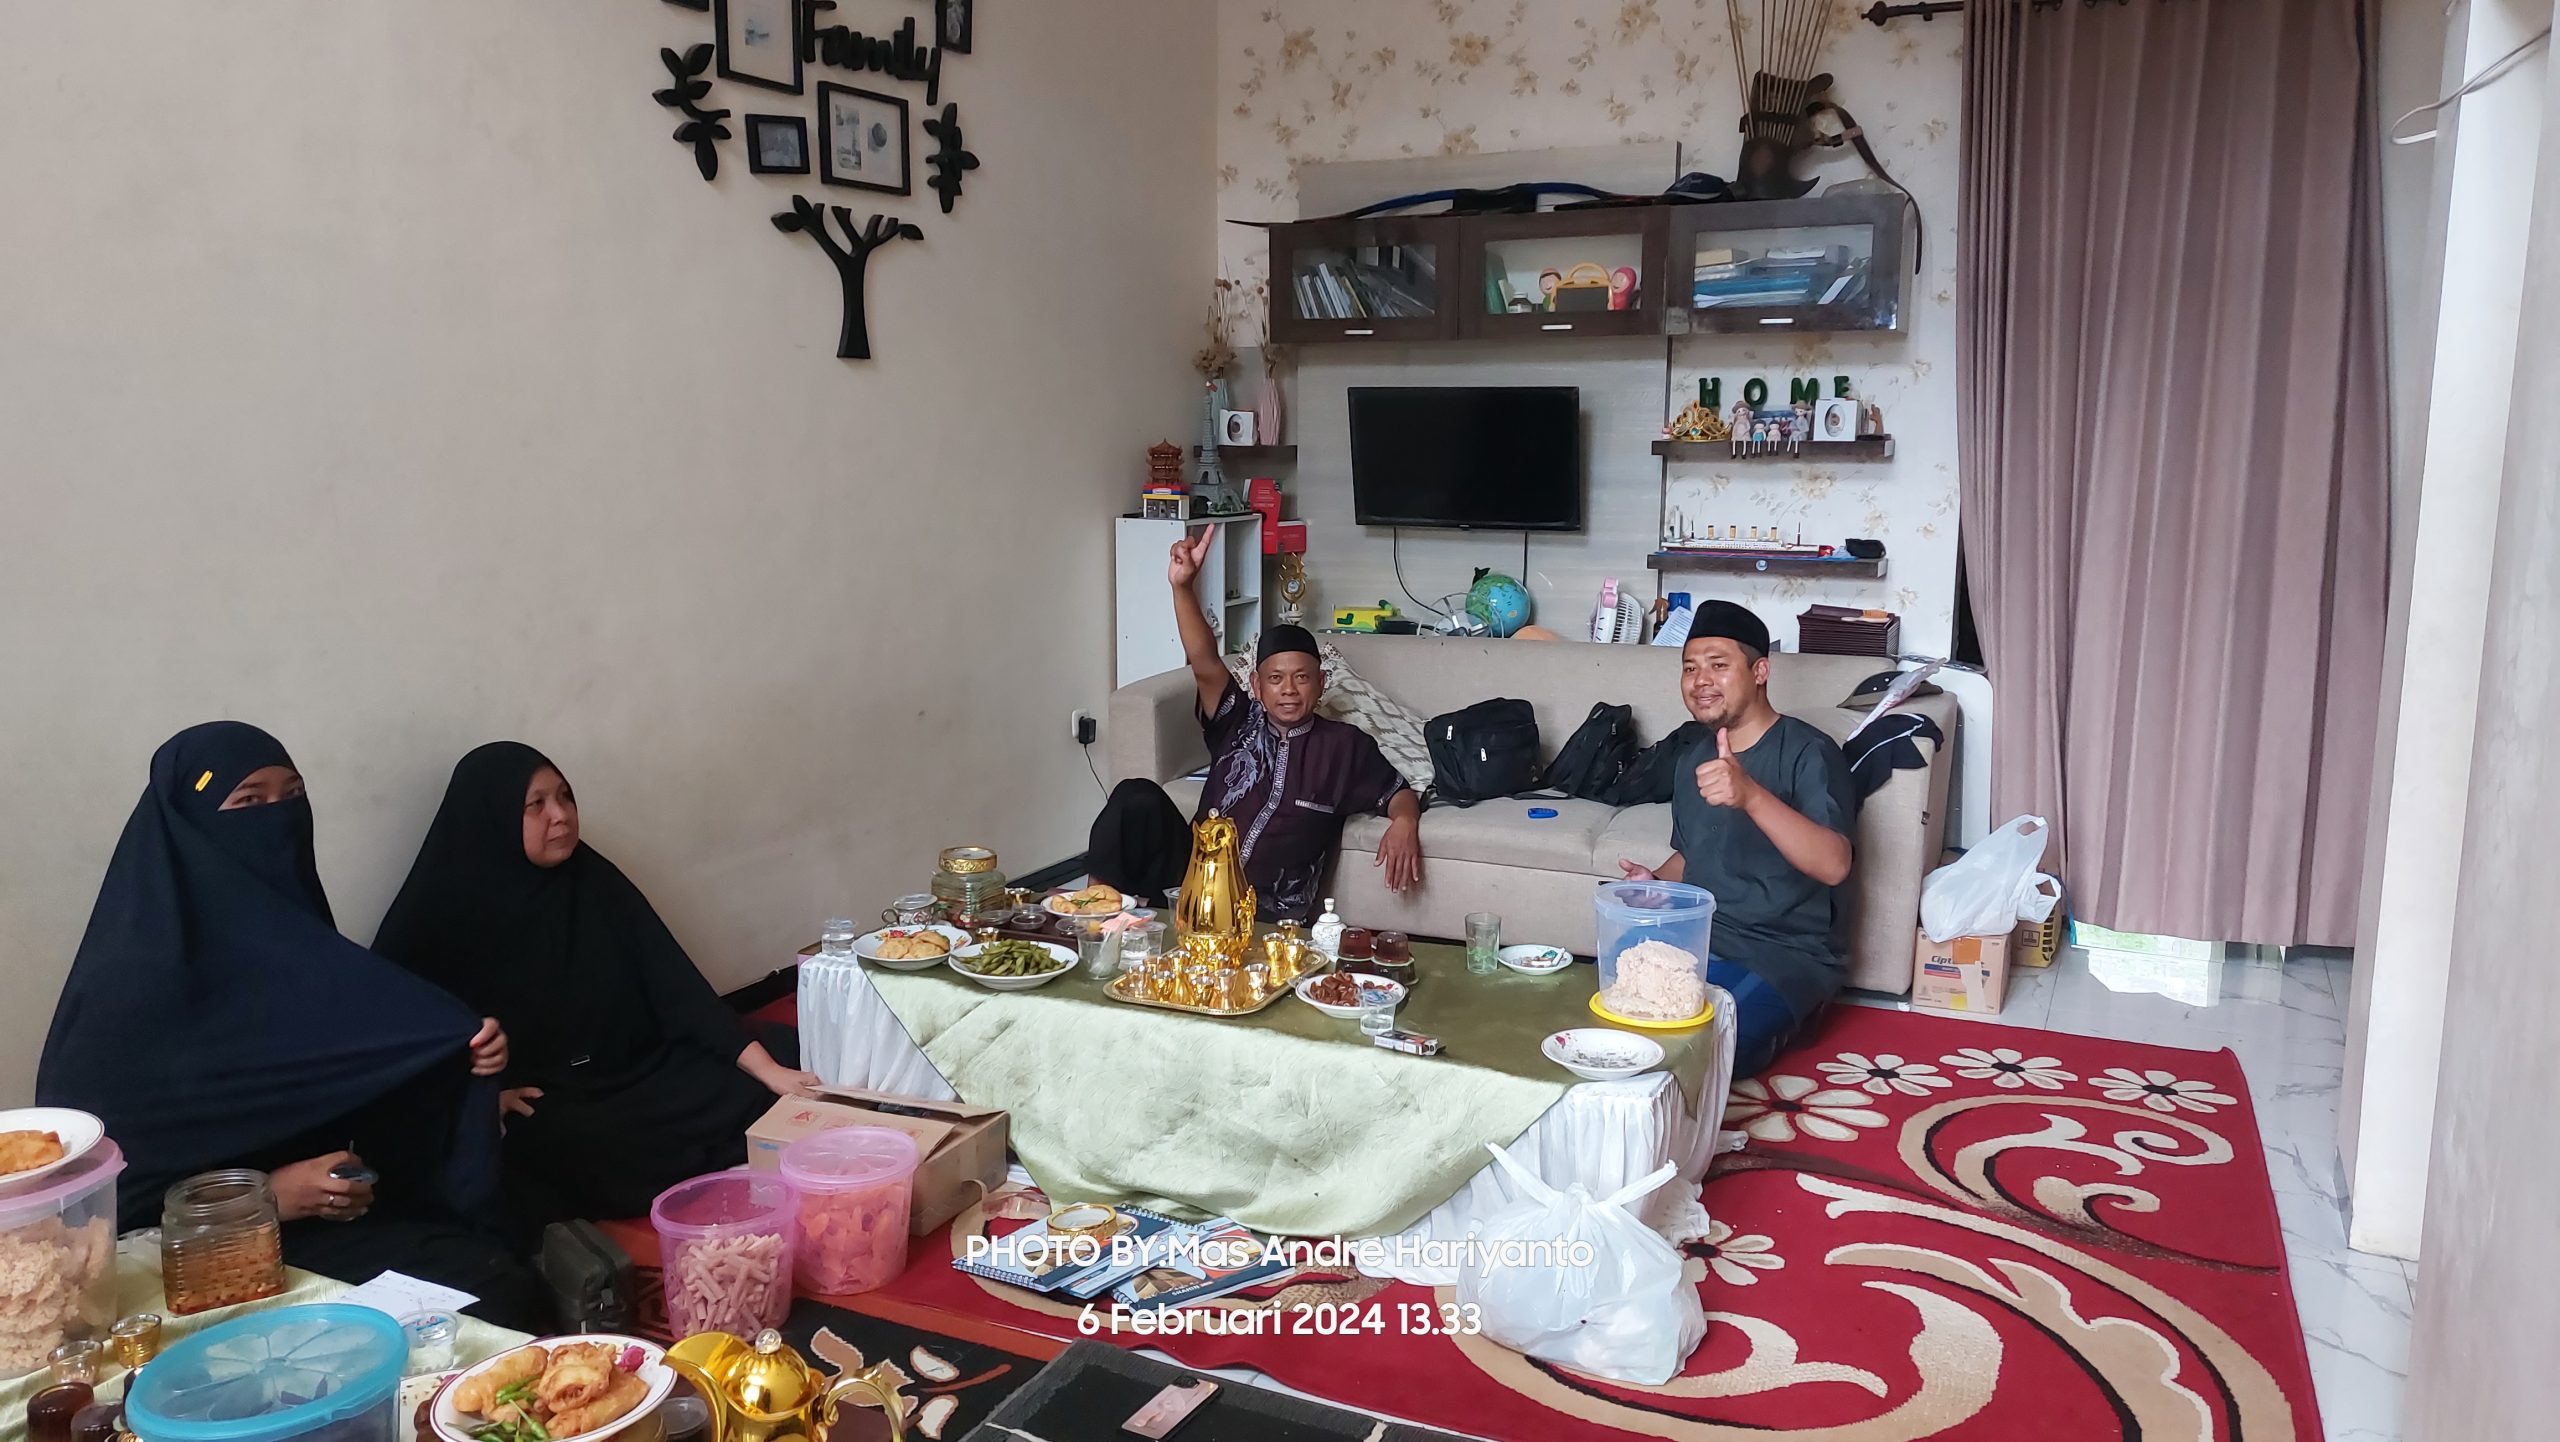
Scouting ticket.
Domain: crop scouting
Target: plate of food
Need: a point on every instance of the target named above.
(1535, 960)
(1343, 995)
(1013, 965)
(1595, 1053)
(910, 948)
(588, 1386)
(1094, 900)
(36, 1142)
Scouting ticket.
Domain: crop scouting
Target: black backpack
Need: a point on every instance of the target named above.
(1598, 752)
(1486, 751)
(1652, 772)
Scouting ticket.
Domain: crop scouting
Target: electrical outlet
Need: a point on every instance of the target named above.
(1082, 726)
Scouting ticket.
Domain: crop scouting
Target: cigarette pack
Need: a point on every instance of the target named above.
(1409, 1041)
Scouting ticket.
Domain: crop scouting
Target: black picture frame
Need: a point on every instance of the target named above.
(760, 126)
(828, 91)
(955, 25)
(746, 12)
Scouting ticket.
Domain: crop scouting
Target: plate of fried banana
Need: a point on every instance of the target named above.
(588, 1387)
(36, 1142)
(910, 948)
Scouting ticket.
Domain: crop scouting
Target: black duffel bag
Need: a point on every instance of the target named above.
(1483, 753)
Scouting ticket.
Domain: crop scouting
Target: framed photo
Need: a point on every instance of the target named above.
(759, 42)
(1836, 420)
(862, 139)
(955, 24)
(777, 145)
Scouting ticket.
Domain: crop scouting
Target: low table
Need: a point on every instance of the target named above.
(1288, 1120)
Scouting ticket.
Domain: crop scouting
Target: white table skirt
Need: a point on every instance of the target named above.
(1600, 1136)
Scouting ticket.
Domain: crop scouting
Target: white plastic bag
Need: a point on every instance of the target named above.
(1625, 1311)
(1991, 888)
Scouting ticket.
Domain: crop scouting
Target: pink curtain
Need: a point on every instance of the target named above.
(2173, 446)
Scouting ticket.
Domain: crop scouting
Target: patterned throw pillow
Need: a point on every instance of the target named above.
(1349, 698)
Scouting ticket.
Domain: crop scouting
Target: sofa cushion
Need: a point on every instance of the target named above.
(1641, 834)
(1351, 699)
(1499, 832)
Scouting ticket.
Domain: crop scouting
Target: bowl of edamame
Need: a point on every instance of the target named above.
(1013, 965)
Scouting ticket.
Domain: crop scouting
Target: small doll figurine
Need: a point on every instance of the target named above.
(1741, 426)
(1622, 288)
(1548, 281)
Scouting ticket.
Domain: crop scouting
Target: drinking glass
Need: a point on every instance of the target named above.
(1139, 947)
(836, 937)
(1094, 950)
(1484, 943)
(1379, 1017)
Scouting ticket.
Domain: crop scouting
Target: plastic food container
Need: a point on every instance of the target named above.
(855, 1186)
(1653, 950)
(58, 1260)
(726, 1242)
(220, 1241)
(326, 1373)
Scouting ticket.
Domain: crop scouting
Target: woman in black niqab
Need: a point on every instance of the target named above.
(214, 1017)
(627, 1073)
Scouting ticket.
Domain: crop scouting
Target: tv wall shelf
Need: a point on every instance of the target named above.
(1839, 568)
(1864, 448)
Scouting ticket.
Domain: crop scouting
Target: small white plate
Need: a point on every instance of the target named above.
(1596, 1053)
(1348, 1013)
(1535, 960)
(866, 946)
(1050, 905)
(78, 1130)
(452, 1426)
(966, 954)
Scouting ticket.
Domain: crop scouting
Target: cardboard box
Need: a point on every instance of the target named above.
(1970, 973)
(963, 1146)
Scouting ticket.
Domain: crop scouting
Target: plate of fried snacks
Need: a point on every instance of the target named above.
(1094, 900)
(36, 1142)
(588, 1386)
(1013, 965)
(910, 948)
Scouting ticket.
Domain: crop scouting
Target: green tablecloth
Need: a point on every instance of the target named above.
(1288, 1120)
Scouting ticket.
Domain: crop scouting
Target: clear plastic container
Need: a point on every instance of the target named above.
(58, 1260)
(726, 1242)
(220, 1242)
(1653, 949)
(856, 1186)
(328, 1373)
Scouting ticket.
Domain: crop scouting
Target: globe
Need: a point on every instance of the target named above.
(1500, 602)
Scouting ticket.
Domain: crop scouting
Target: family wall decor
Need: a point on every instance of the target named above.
(861, 136)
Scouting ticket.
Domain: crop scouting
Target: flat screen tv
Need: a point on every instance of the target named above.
(1470, 458)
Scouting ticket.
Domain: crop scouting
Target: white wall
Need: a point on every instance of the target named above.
(385, 375)
(2423, 767)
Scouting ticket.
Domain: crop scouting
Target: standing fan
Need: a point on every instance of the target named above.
(1617, 619)
(1780, 95)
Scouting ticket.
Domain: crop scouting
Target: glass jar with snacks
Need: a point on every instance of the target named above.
(58, 1260)
(220, 1243)
(324, 1373)
(1653, 950)
(855, 1185)
(970, 887)
(727, 1242)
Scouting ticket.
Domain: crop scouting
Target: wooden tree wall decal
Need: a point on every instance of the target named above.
(701, 127)
(950, 162)
(852, 257)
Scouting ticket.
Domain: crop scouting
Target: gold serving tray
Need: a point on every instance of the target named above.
(1121, 989)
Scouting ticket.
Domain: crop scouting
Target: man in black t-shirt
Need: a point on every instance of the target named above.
(1762, 809)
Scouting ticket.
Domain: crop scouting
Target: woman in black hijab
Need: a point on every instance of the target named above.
(214, 1017)
(628, 1074)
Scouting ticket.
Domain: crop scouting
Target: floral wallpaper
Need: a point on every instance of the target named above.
(1307, 81)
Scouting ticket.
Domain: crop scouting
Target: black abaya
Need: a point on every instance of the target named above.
(214, 1017)
(635, 1054)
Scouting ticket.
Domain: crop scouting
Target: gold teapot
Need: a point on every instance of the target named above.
(763, 1391)
(1216, 917)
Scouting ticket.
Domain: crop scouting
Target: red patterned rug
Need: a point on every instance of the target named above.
(1939, 1229)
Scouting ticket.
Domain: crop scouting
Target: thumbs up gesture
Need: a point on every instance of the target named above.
(1722, 781)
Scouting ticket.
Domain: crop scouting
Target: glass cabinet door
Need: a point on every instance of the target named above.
(1830, 264)
(1385, 279)
(1564, 273)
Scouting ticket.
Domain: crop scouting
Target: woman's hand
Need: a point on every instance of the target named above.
(517, 1102)
(305, 1189)
(488, 1048)
(781, 1080)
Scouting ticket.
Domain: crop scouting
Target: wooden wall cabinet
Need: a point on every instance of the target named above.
(1837, 263)
(1386, 279)
(1507, 255)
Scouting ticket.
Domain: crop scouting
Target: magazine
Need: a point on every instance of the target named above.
(1210, 1259)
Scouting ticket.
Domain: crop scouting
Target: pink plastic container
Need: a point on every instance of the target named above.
(726, 1243)
(856, 1185)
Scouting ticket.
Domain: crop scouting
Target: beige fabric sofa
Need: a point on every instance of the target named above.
(1538, 874)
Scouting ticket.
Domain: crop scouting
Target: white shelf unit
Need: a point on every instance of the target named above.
(1230, 590)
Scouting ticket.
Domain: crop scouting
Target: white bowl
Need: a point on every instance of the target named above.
(966, 954)
(1348, 1013)
(452, 1426)
(78, 1130)
(1597, 1053)
(1535, 960)
(865, 946)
